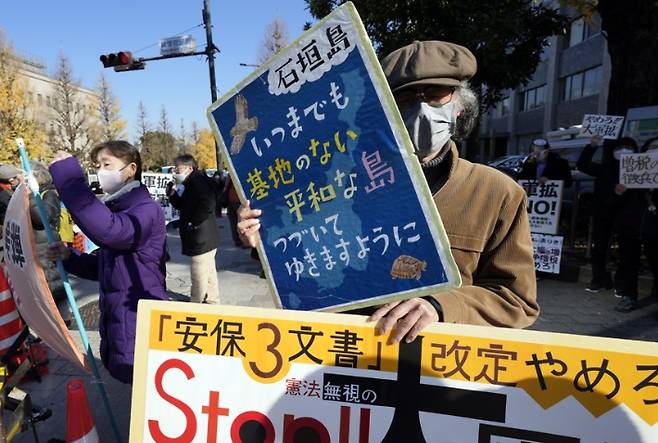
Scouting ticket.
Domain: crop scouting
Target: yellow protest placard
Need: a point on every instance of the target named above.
(218, 373)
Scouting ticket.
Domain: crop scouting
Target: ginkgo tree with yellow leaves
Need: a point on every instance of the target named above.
(204, 150)
(15, 118)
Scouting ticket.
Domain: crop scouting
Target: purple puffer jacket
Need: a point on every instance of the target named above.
(130, 265)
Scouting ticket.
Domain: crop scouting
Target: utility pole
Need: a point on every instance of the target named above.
(210, 49)
(210, 52)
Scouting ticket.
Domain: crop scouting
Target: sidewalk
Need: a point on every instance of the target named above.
(566, 308)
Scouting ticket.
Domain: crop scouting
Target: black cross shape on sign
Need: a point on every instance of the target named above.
(409, 397)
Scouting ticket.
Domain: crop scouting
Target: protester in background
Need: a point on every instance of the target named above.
(51, 204)
(483, 211)
(650, 222)
(129, 228)
(194, 197)
(544, 165)
(219, 184)
(608, 206)
(233, 203)
(631, 206)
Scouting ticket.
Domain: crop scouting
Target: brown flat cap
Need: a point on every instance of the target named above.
(428, 63)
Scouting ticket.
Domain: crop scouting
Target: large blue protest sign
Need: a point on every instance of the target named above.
(313, 139)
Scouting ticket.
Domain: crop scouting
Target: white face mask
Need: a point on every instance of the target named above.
(617, 153)
(111, 181)
(180, 178)
(430, 127)
(542, 156)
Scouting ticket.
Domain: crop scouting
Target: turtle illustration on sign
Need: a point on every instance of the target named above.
(407, 267)
(243, 124)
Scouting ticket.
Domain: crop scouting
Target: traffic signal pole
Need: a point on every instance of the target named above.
(114, 60)
(210, 51)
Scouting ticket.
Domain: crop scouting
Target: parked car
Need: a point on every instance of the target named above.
(509, 164)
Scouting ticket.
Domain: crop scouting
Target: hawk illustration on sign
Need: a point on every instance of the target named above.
(243, 124)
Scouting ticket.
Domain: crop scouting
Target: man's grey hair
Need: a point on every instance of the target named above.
(468, 108)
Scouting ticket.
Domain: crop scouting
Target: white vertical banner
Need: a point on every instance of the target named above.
(544, 205)
(547, 251)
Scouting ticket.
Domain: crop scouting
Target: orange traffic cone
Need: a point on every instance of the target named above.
(80, 426)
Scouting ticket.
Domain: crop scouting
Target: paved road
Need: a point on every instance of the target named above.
(566, 308)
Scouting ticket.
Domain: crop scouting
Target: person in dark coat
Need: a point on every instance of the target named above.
(650, 221)
(615, 210)
(129, 228)
(632, 207)
(194, 197)
(543, 165)
(219, 183)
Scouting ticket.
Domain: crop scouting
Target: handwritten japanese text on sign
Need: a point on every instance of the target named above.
(544, 205)
(606, 126)
(639, 171)
(314, 141)
(207, 373)
(547, 251)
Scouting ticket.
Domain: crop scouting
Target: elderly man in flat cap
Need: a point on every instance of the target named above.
(483, 210)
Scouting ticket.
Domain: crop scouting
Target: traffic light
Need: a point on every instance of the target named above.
(121, 61)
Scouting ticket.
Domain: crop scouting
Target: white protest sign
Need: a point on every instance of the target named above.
(547, 251)
(639, 171)
(607, 126)
(544, 205)
(156, 183)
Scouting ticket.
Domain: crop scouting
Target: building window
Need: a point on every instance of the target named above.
(48, 100)
(502, 108)
(581, 30)
(39, 99)
(533, 98)
(582, 84)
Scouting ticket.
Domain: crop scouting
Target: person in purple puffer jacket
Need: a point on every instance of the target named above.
(129, 228)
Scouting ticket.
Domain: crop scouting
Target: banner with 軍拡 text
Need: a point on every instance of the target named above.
(605, 126)
(156, 183)
(544, 205)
